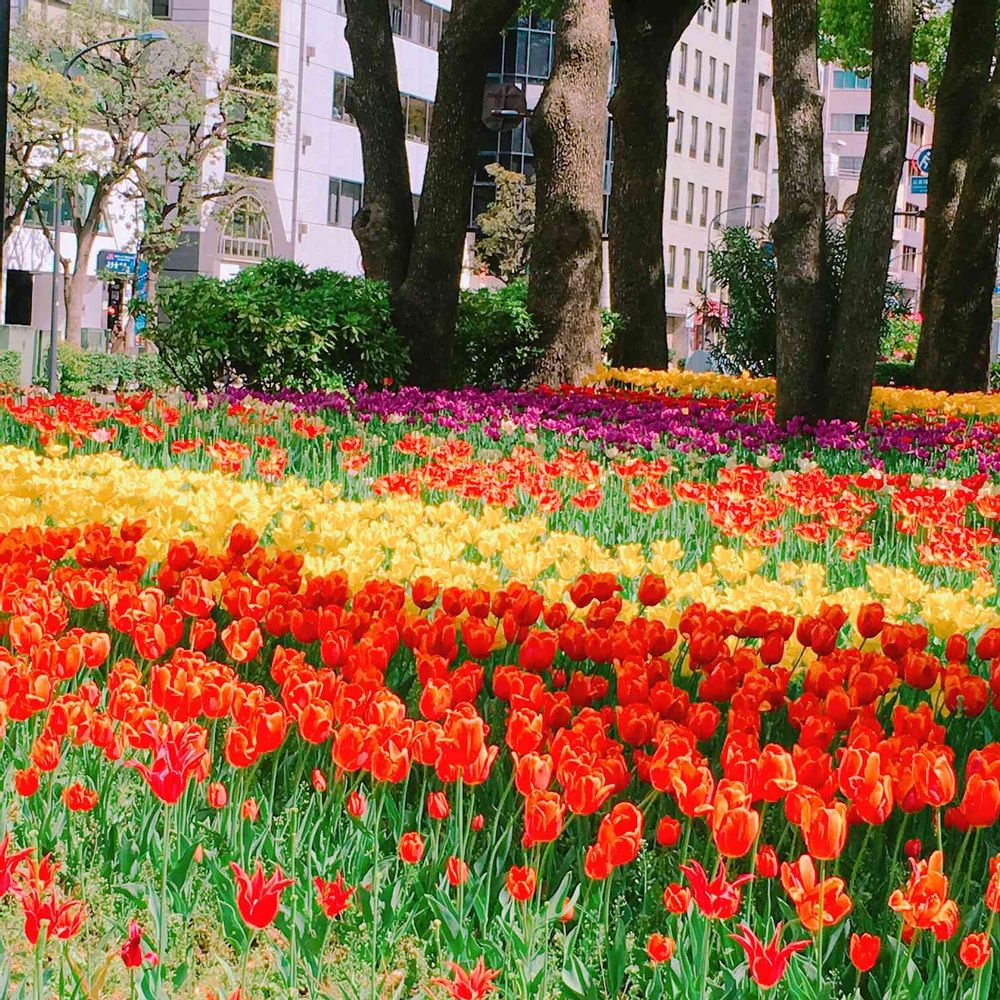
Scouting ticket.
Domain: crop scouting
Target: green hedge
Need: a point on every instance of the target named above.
(10, 368)
(80, 372)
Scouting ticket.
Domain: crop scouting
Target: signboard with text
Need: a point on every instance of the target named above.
(918, 185)
(115, 262)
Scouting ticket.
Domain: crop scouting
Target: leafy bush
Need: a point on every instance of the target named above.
(10, 368)
(496, 338)
(80, 372)
(900, 337)
(896, 373)
(277, 326)
(746, 266)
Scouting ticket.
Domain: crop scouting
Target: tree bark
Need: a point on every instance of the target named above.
(568, 133)
(426, 305)
(647, 31)
(798, 230)
(956, 112)
(384, 225)
(959, 307)
(854, 346)
(956, 121)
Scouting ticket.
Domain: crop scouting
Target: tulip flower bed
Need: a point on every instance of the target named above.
(595, 693)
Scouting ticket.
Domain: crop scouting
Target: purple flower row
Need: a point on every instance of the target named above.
(707, 426)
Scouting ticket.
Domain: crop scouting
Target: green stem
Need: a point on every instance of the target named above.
(292, 942)
(706, 941)
(861, 854)
(39, 983)
(243, 964)
(895, 960)
(376, 821)
(822, 921)
(161, 942)
(461, 846)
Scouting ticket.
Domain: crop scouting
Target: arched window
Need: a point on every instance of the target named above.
(848, 208)
(247, 233)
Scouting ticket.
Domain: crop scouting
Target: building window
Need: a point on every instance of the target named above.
(701, 270)
(725, 83)
(679, 137)
(682, 70)
(253, 64)
(845, 79)
(708, 142)
(160, 8)
(848, 123)
(417, 21)
(756, 211)
(689, 214)
(718, 204)
(686, 272)
(417, 113)
(920, 91)
(729, 20)
(763, 92)
(850, 166)
(247, 233)
(715, 17)
(766, 34)
(712, 66)
(703, 220)
(341, 84)
(916, 132)
(697, 68)
(722, 147)
(759, 152)
(675, 199)
(671, 265)
(701, 17)
(909, 258)
(912, 218)
(693, 149)
(346, 197)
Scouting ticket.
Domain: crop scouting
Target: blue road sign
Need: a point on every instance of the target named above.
(918, 185)
(923, 159)
(115, 262)
(141, 288)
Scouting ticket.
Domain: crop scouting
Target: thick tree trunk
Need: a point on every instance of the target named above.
(74, 285)
(384, 225)
(568, 133)
(959, 308)
(956, 112)
(956, 121)
(854, 346)
(647, 31)
(798, 231)
(426, 305)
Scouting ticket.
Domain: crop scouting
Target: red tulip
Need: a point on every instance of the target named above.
(178, 755)
(217, 795)
(131, 951)
(334, 897)
(864, 951)
(438, 806)
(521, 883)
(250, 810)
(659, 948)
(472, 985)
(356, 804)
(767, 962)
(256, 898)
(457, 871)
(411, 847)
(974, 951)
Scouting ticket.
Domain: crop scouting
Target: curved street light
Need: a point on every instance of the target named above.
(708, 238)
(147, 38)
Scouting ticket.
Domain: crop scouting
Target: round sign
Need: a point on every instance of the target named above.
(922, 159)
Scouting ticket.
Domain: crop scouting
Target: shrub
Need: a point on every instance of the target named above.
(746, 266)
(10, 368)
(496, 338)
(896, 373)
(900, 337)
(276, 326)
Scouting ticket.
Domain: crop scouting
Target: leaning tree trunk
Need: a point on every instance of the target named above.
(384, 225)
(956, 121)
(854, 346)
(960, 305)
(568, 133)
(798, 230)
(426, 305)
(647, 31)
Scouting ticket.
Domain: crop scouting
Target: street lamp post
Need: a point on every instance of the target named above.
(708, 238)
(147, 38)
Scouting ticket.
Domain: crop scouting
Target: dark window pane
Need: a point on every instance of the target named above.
(160, 8)
(349, 202)
(416, 119)
(259, 18)
(254, 64)
(249, 158)
(539, 51)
